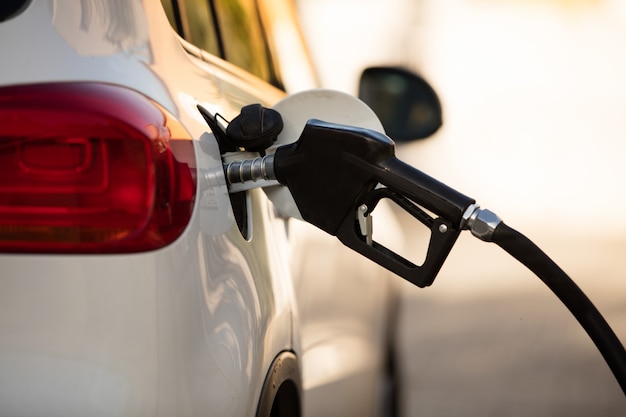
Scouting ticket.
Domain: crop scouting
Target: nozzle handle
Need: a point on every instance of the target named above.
(332, 170)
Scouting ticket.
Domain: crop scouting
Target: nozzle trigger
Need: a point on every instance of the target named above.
(365, 223)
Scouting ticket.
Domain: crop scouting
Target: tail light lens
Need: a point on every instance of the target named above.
(88, 168)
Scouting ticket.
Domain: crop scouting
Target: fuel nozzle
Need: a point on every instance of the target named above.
(337, 174)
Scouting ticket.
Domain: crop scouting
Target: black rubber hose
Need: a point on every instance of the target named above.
(525, 251)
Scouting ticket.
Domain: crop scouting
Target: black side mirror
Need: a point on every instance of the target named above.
(406, 104)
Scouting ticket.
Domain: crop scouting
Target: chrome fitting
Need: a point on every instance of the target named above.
(481, 222)
(250, 170)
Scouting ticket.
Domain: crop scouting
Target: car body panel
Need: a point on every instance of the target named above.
(178, 329)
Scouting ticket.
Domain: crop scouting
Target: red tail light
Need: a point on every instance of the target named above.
(91, 168)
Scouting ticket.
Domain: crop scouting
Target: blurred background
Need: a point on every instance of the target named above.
(534, 99)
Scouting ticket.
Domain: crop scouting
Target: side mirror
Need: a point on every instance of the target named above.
(406, 104)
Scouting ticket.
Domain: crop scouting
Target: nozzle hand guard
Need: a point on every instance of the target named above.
(333, 170)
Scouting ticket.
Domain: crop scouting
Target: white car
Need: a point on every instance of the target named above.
(131, 282)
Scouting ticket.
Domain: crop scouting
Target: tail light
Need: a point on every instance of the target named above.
(88, 168)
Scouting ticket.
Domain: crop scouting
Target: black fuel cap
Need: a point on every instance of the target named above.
(255, 129)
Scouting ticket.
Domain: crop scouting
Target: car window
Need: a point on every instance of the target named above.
(193, 20)
(229, 29)
(243, 37)
(171, 13)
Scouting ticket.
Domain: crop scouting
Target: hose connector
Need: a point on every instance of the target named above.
(481, 222)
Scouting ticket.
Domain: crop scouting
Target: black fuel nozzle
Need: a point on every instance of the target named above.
(337, 174)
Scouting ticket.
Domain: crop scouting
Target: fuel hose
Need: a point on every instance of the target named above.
(526, 252)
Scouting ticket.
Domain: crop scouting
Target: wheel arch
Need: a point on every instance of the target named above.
(281, 395)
